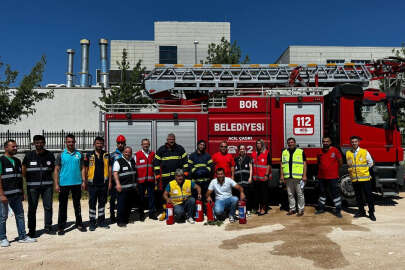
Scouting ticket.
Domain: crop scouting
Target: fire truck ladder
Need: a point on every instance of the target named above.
(217, 77)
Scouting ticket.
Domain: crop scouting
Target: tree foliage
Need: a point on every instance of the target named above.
(18, 101)
(225, 53)
(129, 90)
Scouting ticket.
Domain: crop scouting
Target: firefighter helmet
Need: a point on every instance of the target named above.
(121, 138)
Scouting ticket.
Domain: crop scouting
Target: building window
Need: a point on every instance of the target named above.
(357, 61)
(335, 61)
(167, 54)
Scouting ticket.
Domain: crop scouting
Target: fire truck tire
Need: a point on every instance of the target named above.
(346, 187)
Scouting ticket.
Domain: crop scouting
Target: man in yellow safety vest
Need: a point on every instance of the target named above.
(293, 170)
(359, 161)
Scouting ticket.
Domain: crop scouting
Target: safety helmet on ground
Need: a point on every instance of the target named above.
(121, 138)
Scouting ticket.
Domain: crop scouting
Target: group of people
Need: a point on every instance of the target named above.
(168, 176)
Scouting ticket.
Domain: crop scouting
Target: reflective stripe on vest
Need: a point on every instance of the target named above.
(39, 169)
(13, 191)
(180, 194)
(92, 167)
(358, 168)
(38, 183)
(297, 163)
(7, 176)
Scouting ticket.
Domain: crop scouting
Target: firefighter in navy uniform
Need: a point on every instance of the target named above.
(97, 176)
(37, 168)
(117, 154)
(201, 167)
(124, 172)
(168, 159)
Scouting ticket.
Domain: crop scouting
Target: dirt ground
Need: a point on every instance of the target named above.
(273, 241)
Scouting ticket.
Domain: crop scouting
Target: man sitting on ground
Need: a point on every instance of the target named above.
(224, 201)
(178, 192)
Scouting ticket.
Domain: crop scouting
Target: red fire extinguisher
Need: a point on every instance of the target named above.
(242, 212)
(199, 213)
(210, 211)
(169, 214)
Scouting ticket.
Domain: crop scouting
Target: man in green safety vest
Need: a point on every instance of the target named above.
(293, 170)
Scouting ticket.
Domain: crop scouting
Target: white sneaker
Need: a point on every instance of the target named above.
(248, 213)
(231, 219)
(4, 243)
(27, 239)
(190, 220)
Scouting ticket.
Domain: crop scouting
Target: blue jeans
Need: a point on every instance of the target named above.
(228, 204)
(184, 210)
(15, 203)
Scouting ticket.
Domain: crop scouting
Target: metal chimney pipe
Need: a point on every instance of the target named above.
(103, 56)
(84, 74)
(69, 73)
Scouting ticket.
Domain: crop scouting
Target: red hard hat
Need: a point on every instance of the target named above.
(121, 138)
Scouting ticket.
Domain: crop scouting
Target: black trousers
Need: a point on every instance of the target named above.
(329, 186)
(47, 198)
(113, 201)
(97, 193)
(364, 188)
(126, 199)
(149, 187)
(76, 191)
(261, 193)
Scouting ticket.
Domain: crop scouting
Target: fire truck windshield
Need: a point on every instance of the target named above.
(372, 113)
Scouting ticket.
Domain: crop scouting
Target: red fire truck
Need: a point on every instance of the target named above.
(243, 103)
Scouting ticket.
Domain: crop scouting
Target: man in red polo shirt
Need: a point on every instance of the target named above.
(329, 162)
(223, 159)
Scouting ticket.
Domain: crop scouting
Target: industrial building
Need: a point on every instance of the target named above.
(332, 54)
(174, 43)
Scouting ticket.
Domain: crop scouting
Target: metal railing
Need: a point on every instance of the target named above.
(55, 140)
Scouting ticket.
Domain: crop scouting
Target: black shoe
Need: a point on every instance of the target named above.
(372, 217)
(92, 227)
(319, 211)
(31, 234)
(153, 216)
(359, 214)
(104, 225)
(113, 219)
(123, 225)
(338, 214)
(81, 228)
(61, 232)
(49, 230)
(291, 212)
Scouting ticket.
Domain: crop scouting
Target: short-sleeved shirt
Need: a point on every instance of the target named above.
(304, 158)
(223, 191)
(70, 168)
(181, 186)
(328, 163)
(224, 161)
(117, 167)
(10, 159)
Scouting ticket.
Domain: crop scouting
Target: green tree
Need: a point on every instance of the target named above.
(225, 53)
(18, 101)
(129, 90)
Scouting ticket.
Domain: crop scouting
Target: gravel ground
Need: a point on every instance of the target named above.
(273, 241)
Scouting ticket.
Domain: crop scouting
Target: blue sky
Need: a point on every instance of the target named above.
(263, 29)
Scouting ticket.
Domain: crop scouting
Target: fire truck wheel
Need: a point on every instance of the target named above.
(346, 188)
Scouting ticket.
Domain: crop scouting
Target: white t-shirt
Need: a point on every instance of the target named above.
(117, 167)
(223, 191)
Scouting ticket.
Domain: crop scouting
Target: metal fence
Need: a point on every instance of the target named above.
(55, 140)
